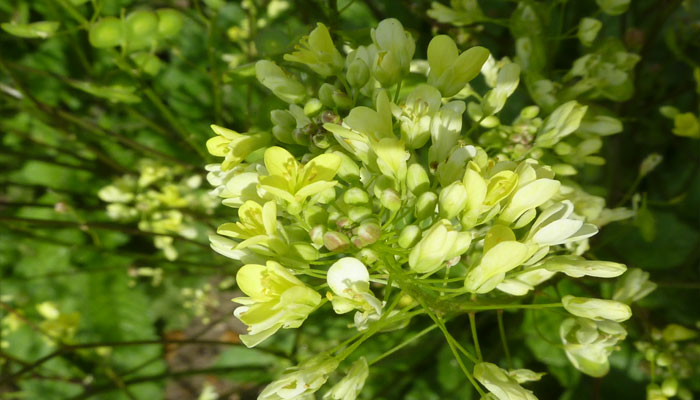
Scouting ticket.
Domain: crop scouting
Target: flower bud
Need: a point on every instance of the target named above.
(597, 309)
(368, 256)
(417, 179)
(107, 32)
(613, 7)
(283, 123)
(312, 107)
(355, 195)
(170, 22)
(687, 125)
(452, 200)
(390, 199)
(357, 214)
(336, 241)
(394, 48)
(410, 235)
(141, 29)
(316, 234)
(369, 232)
(425, 205)
(650, 163)
(669, 387)
(341, 100)
(563, 121)
(358, 73)
(676, 333)
(325, 94)
(588, 29)
(306, 251)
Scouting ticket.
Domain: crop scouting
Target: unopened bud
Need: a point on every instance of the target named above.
(425, 205)
(336, 241)
(342, 100)
(355, 195)
(358, 73)
(357, 214)
(391, 199)
(316, 233)
(410, 235)
(452, 200)
(312, 107)
(417, 179)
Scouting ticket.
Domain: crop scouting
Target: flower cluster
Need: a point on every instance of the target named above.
(159, 199)
(381, 179)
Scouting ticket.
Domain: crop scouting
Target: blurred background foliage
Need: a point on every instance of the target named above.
(127, 301)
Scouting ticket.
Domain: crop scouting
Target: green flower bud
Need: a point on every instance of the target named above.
(358, 73)
(341, 100)
(284, 124)
(440, 244)
(425, 205)
(306, 251)
(669, 387)
(325, 94)
(686, 125)
(368, 233)
(588, 29)
(452, 200)
(107, 32)
(367, 256)
(169, 22)
(417, 179)
(390, 199)
(613, 7)
(312, 107)
(336, 241)
(349, 171)
(650, 163)
(597, 309)
(410, 235)
(496, 262)
(141, 29)
(282, 85)
(147, 62)
(449, 70)
(355, 195)
(664, 359)
(357, 214)
(317, 234)
(676, 333)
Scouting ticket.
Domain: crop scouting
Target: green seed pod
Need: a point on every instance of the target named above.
(107, 32)
(169, 22)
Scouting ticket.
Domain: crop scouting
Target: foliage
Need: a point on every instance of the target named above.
(439, 171)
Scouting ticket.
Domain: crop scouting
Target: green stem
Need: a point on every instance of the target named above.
(475, 337)
(403, 344)
(504, 341)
